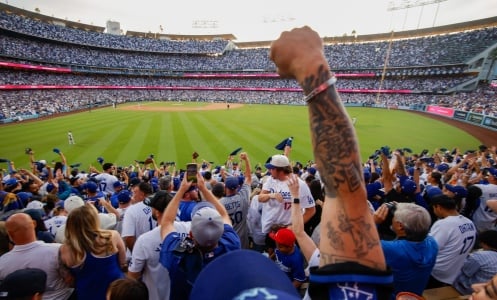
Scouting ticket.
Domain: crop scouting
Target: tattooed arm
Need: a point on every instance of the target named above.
(348, 231)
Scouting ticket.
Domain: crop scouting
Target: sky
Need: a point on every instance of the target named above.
(263, 20)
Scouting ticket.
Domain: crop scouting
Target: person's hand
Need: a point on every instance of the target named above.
(243, 156)
(185, 185)
(102, 201)
(201, 182)
(298, 53)
(293, 185)
(380, 214)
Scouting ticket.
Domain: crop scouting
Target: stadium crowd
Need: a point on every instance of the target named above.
(429, 65)
(48, 193)
(154, 230)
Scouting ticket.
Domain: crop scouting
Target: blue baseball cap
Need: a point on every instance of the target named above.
(228, 277)
(124, 196)
(408, 186)
(90, 186)
(459, 191)
(432, 191)
(231, 183)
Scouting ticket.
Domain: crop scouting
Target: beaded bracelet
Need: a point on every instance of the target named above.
(322, 87)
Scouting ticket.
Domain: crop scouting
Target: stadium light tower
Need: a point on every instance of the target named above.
(406, 4)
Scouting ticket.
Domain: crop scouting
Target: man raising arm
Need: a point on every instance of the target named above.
(349, 239)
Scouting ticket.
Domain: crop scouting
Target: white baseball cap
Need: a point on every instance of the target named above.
(278, 161)
(35, 204)
(73, 202)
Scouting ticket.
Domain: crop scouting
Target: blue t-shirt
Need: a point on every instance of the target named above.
(292, 264)
(411, 263)
(185, 211)
(184, 266)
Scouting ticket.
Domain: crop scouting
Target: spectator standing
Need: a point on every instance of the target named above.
(30, 253)
(138, 218)
(484, 217)
(349, 240)
(211, 236)
(288, 256)
(106, 179)
(144, 262)
(94, 256)
(276, 197)
(479, 266)
(237, 201)
(412, 255)
(455, 236)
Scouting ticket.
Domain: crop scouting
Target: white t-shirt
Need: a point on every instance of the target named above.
(54, 223)
(138, 220)
(254, 221)
(38, 255)
(106, 182)
(274, 212)
(145, 258)
(455, 236)
(483, 217)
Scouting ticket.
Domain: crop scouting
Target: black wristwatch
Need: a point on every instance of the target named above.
(296, 200)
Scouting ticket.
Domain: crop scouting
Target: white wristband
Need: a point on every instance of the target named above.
(322, 87)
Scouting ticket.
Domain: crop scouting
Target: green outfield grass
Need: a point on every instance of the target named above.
(121, 136)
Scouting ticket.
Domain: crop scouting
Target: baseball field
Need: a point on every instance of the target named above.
(172, 131)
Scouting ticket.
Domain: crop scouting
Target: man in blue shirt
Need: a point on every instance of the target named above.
(211, 236)
(412, 255)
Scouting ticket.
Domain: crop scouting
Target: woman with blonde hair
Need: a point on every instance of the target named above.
(94, 256)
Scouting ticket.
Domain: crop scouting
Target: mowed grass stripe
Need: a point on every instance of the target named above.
(121, 136)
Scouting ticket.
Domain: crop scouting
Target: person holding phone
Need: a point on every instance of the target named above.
(211, 236)
(191, 196)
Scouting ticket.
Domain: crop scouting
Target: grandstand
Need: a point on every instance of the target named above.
(49, 66)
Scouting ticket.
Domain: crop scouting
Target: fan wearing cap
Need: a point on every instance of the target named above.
(144, 262)
(29, 283)
(276, 197)
(237, 201)
(484, 217)
(288, 256)
(455, 236)
(456, 192)
(211, 236)
(118, 187)
(243, 274)
(350, 244)
(188, 202)
(30, 253)
(479, 266)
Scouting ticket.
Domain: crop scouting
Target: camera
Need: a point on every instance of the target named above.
(392, 207)
(28, 150)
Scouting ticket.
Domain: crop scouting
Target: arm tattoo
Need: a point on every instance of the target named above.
(361, 232)
(334, 237)
(334, 138)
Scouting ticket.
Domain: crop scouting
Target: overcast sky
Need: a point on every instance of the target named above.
(262, 19)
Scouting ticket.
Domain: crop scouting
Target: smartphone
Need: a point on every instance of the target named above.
(191, 172)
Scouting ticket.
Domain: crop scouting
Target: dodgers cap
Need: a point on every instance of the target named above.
(228, 277)
(278, 161)
(207, 225)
